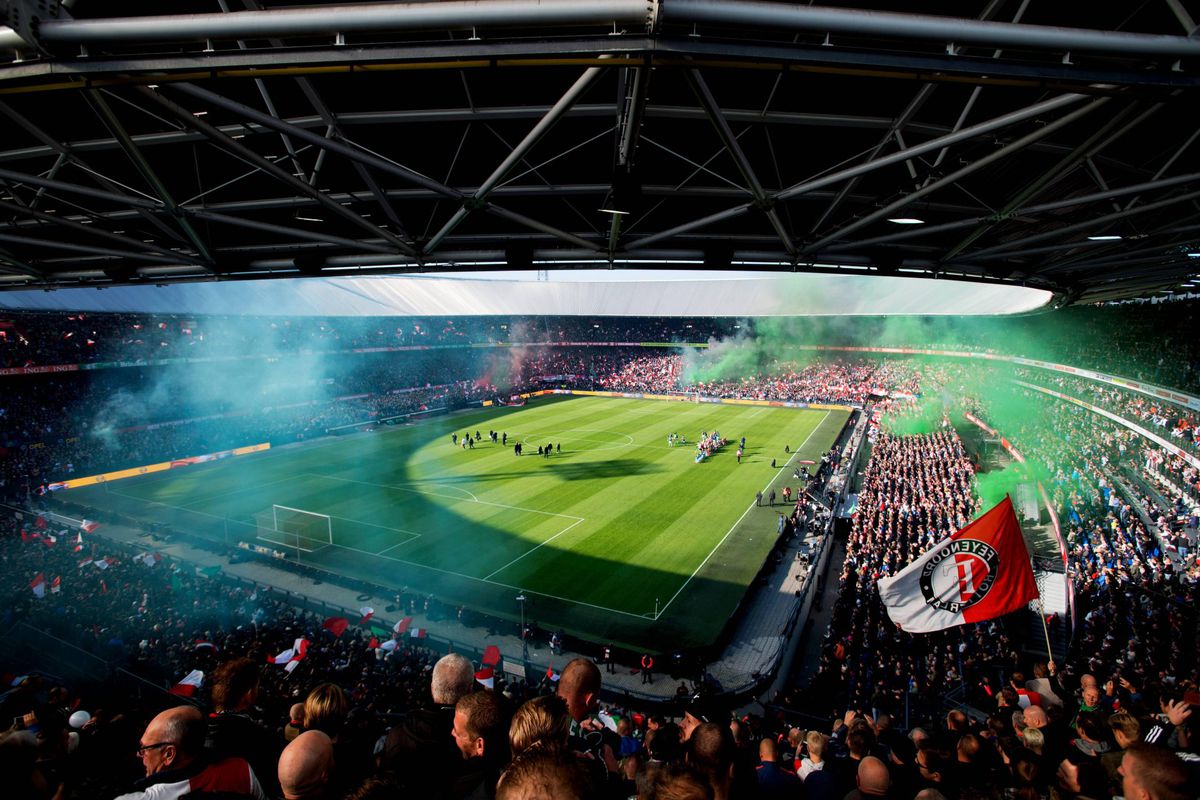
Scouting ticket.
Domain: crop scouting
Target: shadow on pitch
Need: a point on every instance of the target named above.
(557, 466)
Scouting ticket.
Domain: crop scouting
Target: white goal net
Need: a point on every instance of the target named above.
(295, 528)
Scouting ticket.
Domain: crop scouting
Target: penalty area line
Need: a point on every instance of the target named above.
(531, 550)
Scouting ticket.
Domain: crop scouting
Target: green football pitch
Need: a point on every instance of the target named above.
(619, 537)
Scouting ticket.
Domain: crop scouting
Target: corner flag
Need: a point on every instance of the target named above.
(979, 573)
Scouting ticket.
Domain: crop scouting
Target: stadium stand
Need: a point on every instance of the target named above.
(1018, 724)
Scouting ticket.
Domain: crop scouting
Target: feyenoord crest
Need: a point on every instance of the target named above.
(959, 575)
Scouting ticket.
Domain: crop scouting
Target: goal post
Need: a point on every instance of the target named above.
(295, 528)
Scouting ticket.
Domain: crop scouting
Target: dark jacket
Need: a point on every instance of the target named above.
(420, 753)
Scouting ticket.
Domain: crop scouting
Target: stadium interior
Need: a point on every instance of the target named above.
(593, 399)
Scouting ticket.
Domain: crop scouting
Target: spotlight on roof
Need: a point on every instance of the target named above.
(907, 221)
(1110, 237)
(612, 206)
(623, 194)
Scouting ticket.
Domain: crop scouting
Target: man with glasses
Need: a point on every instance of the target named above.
(172, 751)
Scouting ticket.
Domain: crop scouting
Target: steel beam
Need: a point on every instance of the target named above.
(1171, 161)
(1176, 235)
(1097, 141)
(631, 109)
(535, 135)
(147, 172)
(1029, 211)
(1181, 14)
(334, 146)
(112, 186)
(90, 230)
(978, 129)
(18, 265)
(368, 18)
(739, 14)
(1116, 216)
(301, 187)
(938, 29)
(725, 133)
(948, 180)
(630, 124)
(967, 106)
(410, 117)
(11, 41)
(720, 216)
(95, 194)
(283, 230)
(77, 248)
(332, 128)
(71, 74)
(913, 106)
(521, 219)
(973, 131)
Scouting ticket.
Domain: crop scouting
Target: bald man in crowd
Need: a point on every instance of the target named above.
(1055, 736)
(773, 780)
(305, 766)
(176, 764)
(579, 687)
(873, 780)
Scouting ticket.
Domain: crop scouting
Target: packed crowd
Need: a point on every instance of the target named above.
(1131, 555)
(1174, 422)
(916, 491)
(341, 714)
(1150, 342)
(32, 339)
(1051, 730)
(823, 380)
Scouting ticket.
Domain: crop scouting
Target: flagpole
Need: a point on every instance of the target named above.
(1045, 628)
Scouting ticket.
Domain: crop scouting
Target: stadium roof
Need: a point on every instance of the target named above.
(1040, 144)
(576, 293)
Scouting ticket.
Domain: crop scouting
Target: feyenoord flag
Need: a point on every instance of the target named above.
(979, 573)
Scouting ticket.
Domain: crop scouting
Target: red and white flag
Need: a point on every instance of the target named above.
(38, 585)
(486, 677)
(367, 612)
(87, 526)
(402, 626)
(189, 684)
(417, 633)
(979, 573)
(56, 585)
(291, 657)
(78, 543)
